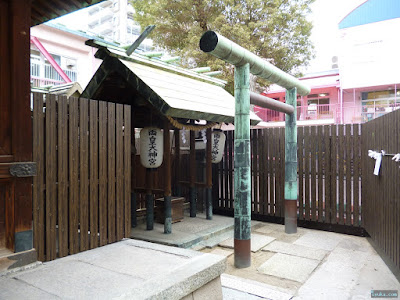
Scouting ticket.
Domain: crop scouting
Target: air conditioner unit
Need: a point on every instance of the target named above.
(70, 62)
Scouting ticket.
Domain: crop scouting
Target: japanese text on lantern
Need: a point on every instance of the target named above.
(152, 147)
(215, 147)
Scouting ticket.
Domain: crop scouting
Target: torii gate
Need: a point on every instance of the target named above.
(246, 62)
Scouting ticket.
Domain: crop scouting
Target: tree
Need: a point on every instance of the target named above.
(276, 30)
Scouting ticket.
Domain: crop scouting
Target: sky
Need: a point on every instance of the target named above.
(326, 15)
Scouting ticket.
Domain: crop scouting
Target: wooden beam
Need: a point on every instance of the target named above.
(192, 172)
(21, 125)
(167, 180)
(177, 162)
(209, 211)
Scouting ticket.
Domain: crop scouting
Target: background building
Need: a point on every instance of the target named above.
(367, 82)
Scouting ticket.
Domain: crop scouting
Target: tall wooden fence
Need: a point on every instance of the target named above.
(381, 194)
(81, 194)
(329, 175)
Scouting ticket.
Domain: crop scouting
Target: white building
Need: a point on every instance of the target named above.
(113, 21)
(367, 83)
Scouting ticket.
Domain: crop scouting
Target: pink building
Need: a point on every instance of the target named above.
(367, 83)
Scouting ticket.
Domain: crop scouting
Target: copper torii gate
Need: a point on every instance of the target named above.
(246, 62)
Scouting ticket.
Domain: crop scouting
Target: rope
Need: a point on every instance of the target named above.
(181, 126)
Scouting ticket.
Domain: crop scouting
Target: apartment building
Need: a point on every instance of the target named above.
(366, 83)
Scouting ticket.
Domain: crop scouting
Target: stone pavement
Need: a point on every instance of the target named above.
(307, 265)
(124, 270)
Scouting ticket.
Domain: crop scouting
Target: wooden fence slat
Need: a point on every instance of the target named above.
(256, 173)
(282, 171)
(320, 162)
(62, 176)
(349, 159)
(103, 173)
(38, 180)
(334, 173)
(313, 173)
(226, 172)
(127, 170)
(262, 172)
(230, 170)
(119, 149)
(94, 173)
(327, 173)
(51, 177)
(111, 172)
(300, 159)
(73, 176)
(266, 174)
(271, 208)
(84, 174)
(307, 141)
(341, 150)
(252, 171)
(274, 163)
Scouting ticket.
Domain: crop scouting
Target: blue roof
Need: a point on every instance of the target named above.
(372, 11)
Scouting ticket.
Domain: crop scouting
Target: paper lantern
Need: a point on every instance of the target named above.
(217, 147)
(151, 147)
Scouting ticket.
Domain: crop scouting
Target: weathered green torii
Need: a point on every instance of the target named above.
(246, 62)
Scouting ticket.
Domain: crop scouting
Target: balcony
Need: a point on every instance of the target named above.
(307, 112)
(42, 75)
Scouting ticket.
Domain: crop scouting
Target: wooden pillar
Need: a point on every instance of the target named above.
(15, 120)
(192, 170)
(149, 200)
(133, 173)
(177, 189)
(209, 208)
(167, 180)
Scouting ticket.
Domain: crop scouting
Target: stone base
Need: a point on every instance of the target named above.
(211, 290)
(17, 260)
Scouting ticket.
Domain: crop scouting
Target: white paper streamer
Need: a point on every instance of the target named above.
(378, 157)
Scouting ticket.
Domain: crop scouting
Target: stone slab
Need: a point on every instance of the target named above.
(320, 240)
(258, 241)
(79, 280)
(124, 270)
(295, 250)
(253, 288)
(336, 276)
(222, 252)
(289, 267)
(11, 288)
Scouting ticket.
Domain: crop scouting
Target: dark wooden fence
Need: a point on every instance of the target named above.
(381, 194)
(81, 194)
(329, 175)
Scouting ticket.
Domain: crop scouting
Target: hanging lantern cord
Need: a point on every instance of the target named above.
(178, 125)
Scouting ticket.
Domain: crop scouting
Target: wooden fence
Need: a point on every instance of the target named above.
(328, 169)
(81, 194)
(381, 194)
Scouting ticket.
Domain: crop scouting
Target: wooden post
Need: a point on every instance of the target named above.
(192, 170)
(291, 165)
(167, 180)
(209, 208)
(149, 200)
(177, 188)
(242, 253)
(15, 76)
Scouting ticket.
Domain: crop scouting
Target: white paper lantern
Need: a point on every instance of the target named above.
(151, 147)
(217, 147)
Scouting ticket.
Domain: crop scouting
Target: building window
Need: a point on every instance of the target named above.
(318, 103)
(378, 103)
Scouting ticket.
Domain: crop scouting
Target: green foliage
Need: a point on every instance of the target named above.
(276, 30)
